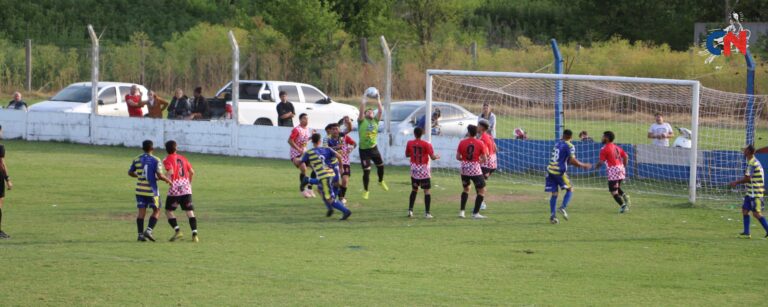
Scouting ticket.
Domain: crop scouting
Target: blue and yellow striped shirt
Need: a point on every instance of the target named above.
(756, 184)
(318, 159)
(147, 167)
(561, 153)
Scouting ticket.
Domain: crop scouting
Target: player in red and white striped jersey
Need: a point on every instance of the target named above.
(472, 153)
(615, 160)
(298, 141)
(180, 172)
(420, 152)
(490, 164)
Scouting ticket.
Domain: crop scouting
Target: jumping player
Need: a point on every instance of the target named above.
(472, 153)
(754, 179)
(146, 168)
(343, 144)
(563, 153)
(489, 166)
(180, 194)
(316, 158)
(420, 152)
(368, 126)
(298, 141)
(616, 162)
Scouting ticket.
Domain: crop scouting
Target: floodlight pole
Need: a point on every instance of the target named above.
(750, 112)
(235, 90)
(388, 83)
(558, 90)
(94, 80)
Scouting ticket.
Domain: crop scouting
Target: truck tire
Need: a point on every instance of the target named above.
(263, 122)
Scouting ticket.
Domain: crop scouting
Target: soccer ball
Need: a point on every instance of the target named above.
(372, 92)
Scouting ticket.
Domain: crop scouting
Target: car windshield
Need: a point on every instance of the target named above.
(77, 93)
(401, 112)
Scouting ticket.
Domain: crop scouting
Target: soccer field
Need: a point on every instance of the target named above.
(71, 218)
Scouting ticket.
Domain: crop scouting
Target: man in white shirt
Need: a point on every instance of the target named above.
(660, 131)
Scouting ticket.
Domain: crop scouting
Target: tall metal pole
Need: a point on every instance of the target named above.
(694, 154)
(29, 64)
(558, 90)
(235, 92)
(388, 83)
(94, 80)
(750, 112)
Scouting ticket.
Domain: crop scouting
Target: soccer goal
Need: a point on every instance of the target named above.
(532, 110)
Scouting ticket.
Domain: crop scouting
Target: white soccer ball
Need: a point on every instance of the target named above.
(372, 92)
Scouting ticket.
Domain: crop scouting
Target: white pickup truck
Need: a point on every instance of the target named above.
(76, 98)
(258, 103)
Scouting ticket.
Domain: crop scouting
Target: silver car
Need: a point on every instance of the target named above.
(453, 120)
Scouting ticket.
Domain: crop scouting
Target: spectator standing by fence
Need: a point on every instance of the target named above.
(17, 103)
(156, 105)
(199, 105)
(490, 117)
(285, 111)
(134, 102)
(660, 132)
(180, 108)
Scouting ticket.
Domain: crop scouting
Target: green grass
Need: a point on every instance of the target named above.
(71, 216)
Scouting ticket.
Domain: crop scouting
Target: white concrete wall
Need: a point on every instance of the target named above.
(14, 123)
(55, 126)
(126, 131)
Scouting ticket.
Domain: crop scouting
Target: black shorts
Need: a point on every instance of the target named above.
(346, 170)
(184, 201)
(614, 185)
(479, 181)
(425, 184)
(366, 155)
(487, 171)
(2, 183)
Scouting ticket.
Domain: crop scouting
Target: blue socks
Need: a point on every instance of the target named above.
(566, 199)
(552, 205)
(746, 224)
(764, 223)
(339, 206)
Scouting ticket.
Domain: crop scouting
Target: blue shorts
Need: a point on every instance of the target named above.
(556, 182)
(754, 204)
(147, 202)
(327, 192)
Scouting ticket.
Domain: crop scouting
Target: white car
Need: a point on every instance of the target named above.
(258, 103)
(453, 121)
(76, 98)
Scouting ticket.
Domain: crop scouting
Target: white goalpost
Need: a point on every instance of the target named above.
(527, 107)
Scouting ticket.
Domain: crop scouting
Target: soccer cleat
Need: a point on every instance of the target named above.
(346, 216)
(4, 235)
(312, 193)
(365, 194)
(148, 235)
(564, 213)
(745, 236)
(625, 197)
(428, 216)
(384, 185)
(176, 236)
(554, 220)
(303, 184)
(624, 208)
(141, 238)
(195, 239)
(344, 200)
(329, 213)
(461, 214)
(410, 213)
(483, 206)
(478, 216)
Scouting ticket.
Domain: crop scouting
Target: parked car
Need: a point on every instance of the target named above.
(453, 121)
(76, 98)
(258, 103)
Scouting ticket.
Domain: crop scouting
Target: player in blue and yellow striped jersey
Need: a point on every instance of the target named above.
(563, 153)
(754, 179)
(146, 169)
(318, 158)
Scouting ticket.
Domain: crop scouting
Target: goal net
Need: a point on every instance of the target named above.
(525, 106)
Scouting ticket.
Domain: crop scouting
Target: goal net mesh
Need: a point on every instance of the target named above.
(525, 129)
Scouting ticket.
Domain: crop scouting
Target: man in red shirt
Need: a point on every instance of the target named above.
(471, 153)
(180, 172)
(420, 152)
(489, 166)
(133, 100)
(615, 160)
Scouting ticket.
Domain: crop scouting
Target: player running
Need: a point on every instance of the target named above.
(316, 158)
(6, 182)
(420, 152)
(298, 141)
(616, 160)
(489, 166)
(146, 168)
(563, 153)
(472, 153)
(754, 179)
(180, 194)
(368, 126)
(343, 144)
